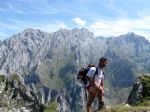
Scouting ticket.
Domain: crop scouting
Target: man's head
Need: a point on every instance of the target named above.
(102, 62)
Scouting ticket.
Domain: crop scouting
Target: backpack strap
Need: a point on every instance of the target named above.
(96, 72)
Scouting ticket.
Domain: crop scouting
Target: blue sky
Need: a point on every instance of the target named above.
(102, 17)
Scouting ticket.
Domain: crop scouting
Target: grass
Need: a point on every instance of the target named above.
(15, 77)
(52, 107)
(146, 102)
(2, 78)
(122, 108)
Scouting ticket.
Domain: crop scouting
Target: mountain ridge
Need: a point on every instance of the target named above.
(49, 62)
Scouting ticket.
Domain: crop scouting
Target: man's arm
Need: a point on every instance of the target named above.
(91, 80)
(102, 84)
(90, 75)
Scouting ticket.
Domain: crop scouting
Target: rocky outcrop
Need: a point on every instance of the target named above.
(17, 97)
(140, 91)
(136, 93)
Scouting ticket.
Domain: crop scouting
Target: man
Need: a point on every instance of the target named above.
(95, 85)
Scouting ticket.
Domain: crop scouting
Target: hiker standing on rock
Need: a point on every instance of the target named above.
(95, 85)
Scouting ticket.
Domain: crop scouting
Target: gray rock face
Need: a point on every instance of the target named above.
(48, 62)
(141, 91)
(136, 93)
(17, 97)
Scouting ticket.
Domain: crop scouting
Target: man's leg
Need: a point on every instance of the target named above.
(91, 95)
(100, 100)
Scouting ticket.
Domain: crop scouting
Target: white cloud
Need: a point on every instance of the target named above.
(100, 25)
(79, 21)
(139, 26)
(33, 7)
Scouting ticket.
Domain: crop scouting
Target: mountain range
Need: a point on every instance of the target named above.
(49, 62)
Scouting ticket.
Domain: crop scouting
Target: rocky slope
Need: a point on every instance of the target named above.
(15, 96)
(140, 92)
(48, 62)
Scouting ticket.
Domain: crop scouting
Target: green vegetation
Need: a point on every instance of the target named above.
(122, 108)
(144, 103)
(52, 107)
(146, 83)
(2, 78)
(145, 80)
(15, 77)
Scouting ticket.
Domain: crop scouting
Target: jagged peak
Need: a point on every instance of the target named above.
(80, 33)
(27, 35)
(33, 30)
(32, 33)
(75, 29)
(63, 29)
(130, 34)
(29, 29)
(82, 29)
(133, 37)
(127, 34)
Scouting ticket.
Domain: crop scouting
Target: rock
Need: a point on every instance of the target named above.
(17, 98)
(127, 105)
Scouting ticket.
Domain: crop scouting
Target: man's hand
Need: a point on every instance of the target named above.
(100, 88)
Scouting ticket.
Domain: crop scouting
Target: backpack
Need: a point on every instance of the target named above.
(83, 71)
(82, 75)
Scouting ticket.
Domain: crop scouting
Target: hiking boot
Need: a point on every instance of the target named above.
(101, 106)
